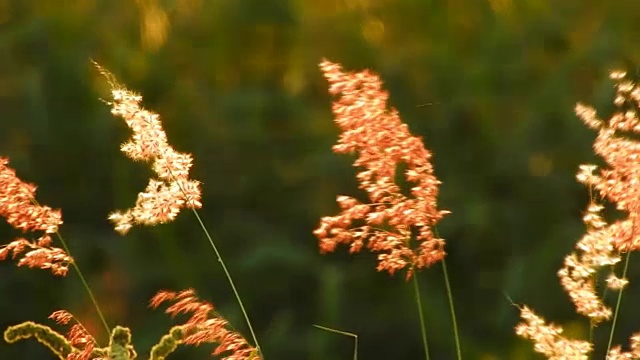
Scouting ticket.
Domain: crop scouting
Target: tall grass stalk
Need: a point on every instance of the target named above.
(226, 271)
(228, 275)
(456, 335)
(85, 284)
(423, 327)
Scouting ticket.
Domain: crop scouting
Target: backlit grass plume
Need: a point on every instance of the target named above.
(19, 207)
(397, 226)
(203, 326)
(172, 190)
(600, 248)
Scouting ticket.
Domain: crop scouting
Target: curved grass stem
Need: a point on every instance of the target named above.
(228, 275)
(82, 279)
(86, 285)
(222, 264)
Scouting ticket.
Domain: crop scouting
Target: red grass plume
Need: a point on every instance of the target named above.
(19, 207)
(205, 326)
(389, 221)
(78, 336)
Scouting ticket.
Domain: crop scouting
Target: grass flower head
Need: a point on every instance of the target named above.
(172, 190)
(397, 226)
(204, 326)
(19, 207)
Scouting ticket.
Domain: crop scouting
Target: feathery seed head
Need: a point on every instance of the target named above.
(19, 207)
(382, 142)
(165, 196)
(204, 325)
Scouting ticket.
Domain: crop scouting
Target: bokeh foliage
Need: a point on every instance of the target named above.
(490, 85)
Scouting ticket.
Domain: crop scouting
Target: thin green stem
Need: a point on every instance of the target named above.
(355, 350)
(618, 302)
(423, 328)
(82, 279)
(456, 335)
(85, 284)
(454, 322)
(222, 264)
(228, 275)
(114, 85)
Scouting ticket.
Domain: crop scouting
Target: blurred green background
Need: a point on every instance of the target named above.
(490, 85)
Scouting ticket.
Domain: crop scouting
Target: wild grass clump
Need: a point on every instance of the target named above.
(397, 220)
(165, 195)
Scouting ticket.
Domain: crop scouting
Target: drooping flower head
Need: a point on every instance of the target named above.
(548, 339)
(172, 190)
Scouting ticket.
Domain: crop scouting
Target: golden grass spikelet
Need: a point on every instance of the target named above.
(594, 251)
(618, 180)
(548, 340)
(19, 207)
(616, 352)
(603, 242)
(165, 196)
(618, 183)
(383, 143)
(203, 326)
